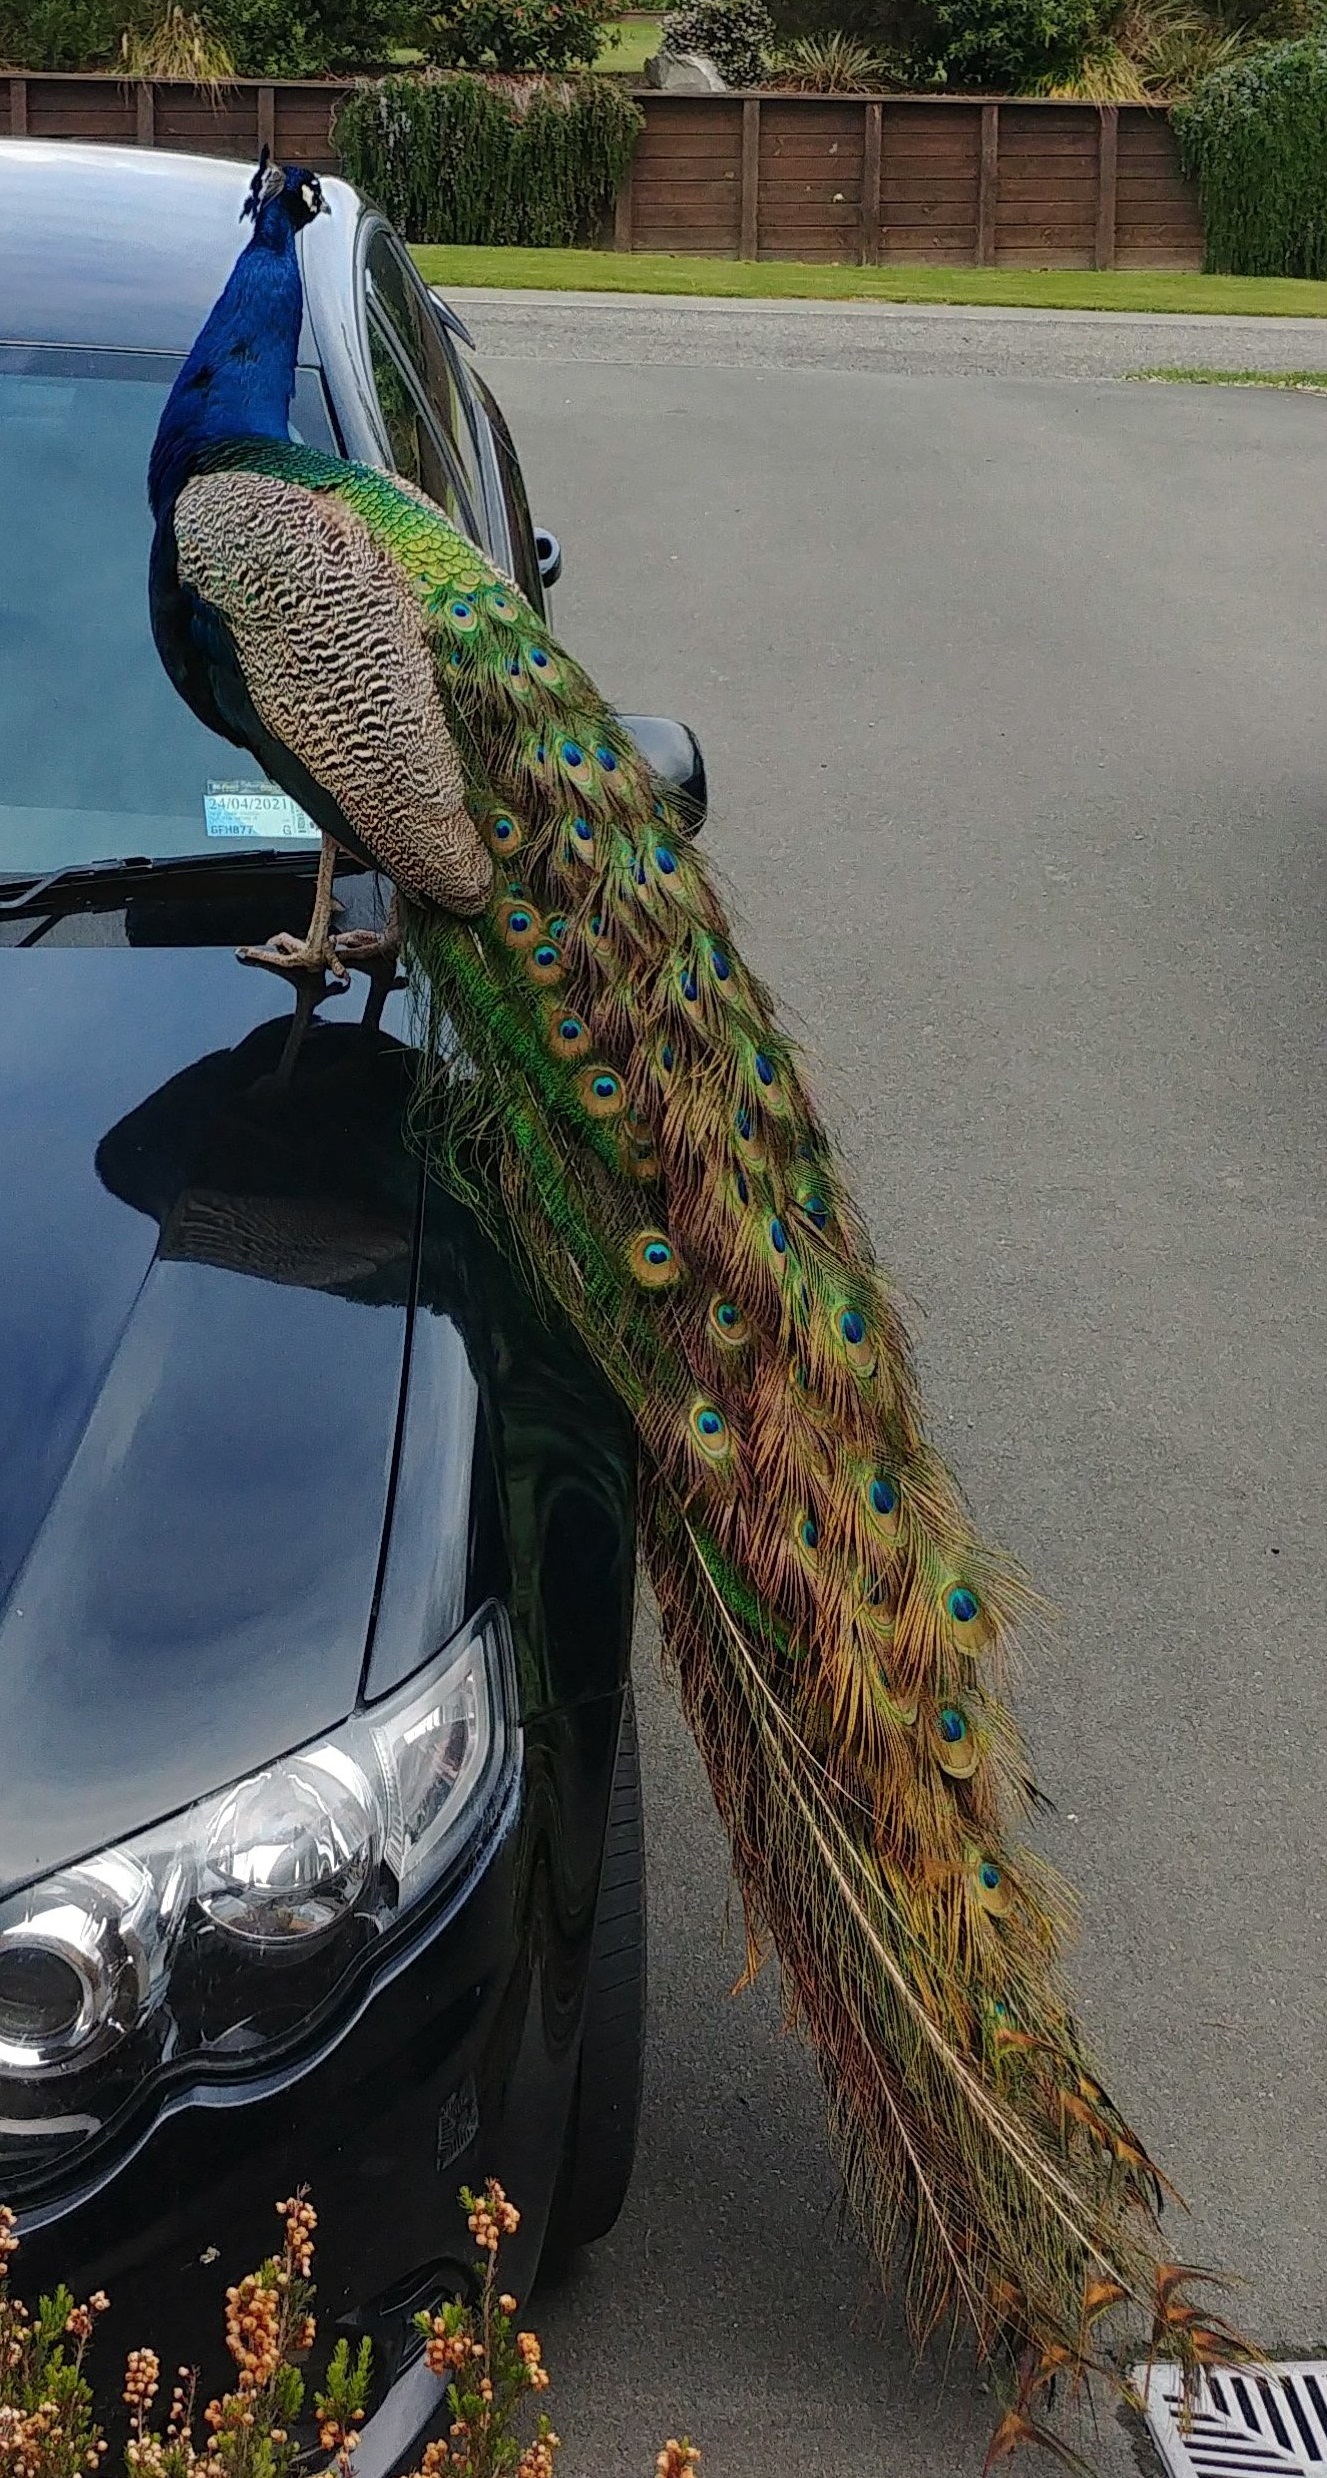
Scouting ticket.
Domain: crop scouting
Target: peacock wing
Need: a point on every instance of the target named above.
(331, 643)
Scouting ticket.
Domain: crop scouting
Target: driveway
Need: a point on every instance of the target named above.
(1012, 689)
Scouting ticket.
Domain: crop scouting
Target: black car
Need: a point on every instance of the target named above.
(320, 1855)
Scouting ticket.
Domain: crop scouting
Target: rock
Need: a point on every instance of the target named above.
(683, 73)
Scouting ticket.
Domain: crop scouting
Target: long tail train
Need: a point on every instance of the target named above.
(835, 1623)
(599, 1055)
(602, 1062)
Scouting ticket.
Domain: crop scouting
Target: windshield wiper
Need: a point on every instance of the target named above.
(99, 883)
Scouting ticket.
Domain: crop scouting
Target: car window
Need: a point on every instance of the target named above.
(394, 296)
(450, 399)
(520, 528)
(418, 449)
(400, 406)
(408, 319)
(99, 758)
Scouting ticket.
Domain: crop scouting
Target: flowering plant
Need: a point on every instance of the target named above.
(48, 2423)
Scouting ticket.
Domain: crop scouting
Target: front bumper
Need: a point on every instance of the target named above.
(461, 2066)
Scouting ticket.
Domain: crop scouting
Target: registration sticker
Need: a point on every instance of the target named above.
(255, 810)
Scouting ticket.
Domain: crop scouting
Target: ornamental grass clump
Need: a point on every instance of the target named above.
(831, 64)
(260, 2428)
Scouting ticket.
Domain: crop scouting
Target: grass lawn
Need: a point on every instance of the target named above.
(640, 39)
(1313, 382)
(612, 271)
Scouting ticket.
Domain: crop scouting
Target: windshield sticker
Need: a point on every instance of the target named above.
(250, 809)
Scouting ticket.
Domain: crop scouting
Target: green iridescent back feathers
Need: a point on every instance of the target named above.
(835, 1623)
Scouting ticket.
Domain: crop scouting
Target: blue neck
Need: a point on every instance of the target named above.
(240, 376)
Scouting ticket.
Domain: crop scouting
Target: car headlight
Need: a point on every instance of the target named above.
(228, 1927)
(291, 1852)
(79, 1959)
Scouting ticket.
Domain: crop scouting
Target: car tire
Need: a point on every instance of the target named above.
(600, 2149)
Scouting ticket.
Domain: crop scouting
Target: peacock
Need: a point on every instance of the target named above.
(605, 1082)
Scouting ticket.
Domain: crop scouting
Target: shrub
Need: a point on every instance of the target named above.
(456, 158)
(252, 38)
(59, 34)
(49, 2427)
(514, 35)
(737, 35)
(307, 38)
(1152, 53)
(1254, 136)
(966, 46)
(886, 27)
(1005, 46)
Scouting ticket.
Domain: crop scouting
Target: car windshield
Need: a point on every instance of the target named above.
(99, 758)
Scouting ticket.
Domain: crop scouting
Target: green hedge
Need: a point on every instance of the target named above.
(487, 162)
(1254, 136)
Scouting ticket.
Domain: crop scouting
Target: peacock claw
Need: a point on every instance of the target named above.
(287, 953)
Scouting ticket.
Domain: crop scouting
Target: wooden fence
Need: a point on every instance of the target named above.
(957, 183)
(853, 179)
(293, 117)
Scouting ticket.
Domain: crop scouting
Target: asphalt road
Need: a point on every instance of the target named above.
(1012, 692)
(883, 337)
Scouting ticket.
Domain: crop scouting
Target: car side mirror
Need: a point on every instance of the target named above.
(548, 552)
(675, 753)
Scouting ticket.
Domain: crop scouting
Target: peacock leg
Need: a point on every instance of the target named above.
(314, 952)
(376, 952)
(383, 979)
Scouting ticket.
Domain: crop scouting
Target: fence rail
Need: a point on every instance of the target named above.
(869, 180)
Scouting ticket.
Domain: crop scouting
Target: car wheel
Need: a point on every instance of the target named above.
(600, 2147)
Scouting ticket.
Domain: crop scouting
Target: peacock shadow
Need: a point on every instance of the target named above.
(289, 1158)
(283, 1158)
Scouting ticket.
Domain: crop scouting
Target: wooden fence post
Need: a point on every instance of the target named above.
(18, 107)
(146, 102)
(988, 181)
(871, 186)
(750, 247)
(267, 118)
(622, 209)
(1107, 165)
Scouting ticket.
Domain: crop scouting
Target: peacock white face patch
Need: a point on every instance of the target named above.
(1266, 2419)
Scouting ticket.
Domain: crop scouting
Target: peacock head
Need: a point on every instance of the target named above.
(238, 379)
(281, 193)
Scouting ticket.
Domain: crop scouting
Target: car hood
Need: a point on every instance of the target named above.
(205, 1261)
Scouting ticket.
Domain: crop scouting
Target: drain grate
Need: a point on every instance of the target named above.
(1268, 2423)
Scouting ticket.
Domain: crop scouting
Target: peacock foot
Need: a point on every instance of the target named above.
(368, 948)
(288, 954)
